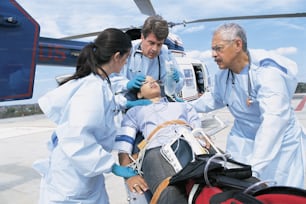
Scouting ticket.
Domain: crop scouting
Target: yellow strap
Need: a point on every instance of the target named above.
(159, 190)
(144, 142)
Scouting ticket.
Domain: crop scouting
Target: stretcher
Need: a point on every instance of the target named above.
(211, 176)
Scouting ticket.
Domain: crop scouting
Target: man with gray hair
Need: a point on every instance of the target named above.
(265, 133)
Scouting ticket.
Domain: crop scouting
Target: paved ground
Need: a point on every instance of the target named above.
(23, 140)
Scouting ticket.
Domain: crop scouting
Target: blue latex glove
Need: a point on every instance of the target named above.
(123, 171)
(140, 102)
(178, 99)
(136, 82)
(176, 75)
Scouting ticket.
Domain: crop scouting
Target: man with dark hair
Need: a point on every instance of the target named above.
(156, 25)
(149, 56)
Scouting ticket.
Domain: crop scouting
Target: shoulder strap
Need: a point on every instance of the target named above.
(159, 190)
(145, 141)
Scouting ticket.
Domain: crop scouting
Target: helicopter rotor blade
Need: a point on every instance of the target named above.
(92, 34)
(81, 36)
(145, 7)
(288, 15)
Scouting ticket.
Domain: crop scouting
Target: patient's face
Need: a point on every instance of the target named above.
(150, 88)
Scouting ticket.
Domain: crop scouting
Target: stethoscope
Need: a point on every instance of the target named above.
(250, 98)
(138, 51)
(117, 109)
(226, 92)
(230, 74)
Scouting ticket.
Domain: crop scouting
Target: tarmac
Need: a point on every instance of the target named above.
(23, 140)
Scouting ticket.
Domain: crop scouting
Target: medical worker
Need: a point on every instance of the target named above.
(148, 57)
(146, 119)
(83, 108)
(266, 132)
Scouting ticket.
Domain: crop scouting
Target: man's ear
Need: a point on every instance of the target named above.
(238, 44)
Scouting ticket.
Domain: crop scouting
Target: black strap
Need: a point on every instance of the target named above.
(226, 182)
(287, 190)
(233, 194)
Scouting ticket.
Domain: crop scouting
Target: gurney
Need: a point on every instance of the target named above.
(211, 176)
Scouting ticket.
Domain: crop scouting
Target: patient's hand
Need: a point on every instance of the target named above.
(203, 141)
(137, 184)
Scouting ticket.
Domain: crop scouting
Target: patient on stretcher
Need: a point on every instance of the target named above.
(161, 124)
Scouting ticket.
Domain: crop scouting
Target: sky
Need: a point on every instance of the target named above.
(285, 36)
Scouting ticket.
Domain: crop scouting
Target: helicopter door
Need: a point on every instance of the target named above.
(199, 79)
(189, 91)
(19, 35)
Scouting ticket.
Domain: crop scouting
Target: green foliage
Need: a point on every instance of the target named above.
(301, 88)
(19, 110)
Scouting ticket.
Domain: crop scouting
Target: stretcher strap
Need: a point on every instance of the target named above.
(159, 190)
(144, 142)
(192, 193)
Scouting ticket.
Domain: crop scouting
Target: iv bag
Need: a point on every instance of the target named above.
(169, 84)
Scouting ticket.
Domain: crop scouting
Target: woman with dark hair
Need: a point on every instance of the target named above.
(83, 107)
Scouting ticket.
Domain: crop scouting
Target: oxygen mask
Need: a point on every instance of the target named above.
(151, 83)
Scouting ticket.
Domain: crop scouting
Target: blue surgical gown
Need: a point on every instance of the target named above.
(83, 110)
(265, 134)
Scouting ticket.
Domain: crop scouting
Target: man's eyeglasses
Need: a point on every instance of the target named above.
(220, 48)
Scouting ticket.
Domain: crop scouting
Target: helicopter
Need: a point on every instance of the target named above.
(22, 49)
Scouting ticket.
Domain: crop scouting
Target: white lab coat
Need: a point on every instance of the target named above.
(265, 134)
(83, 110)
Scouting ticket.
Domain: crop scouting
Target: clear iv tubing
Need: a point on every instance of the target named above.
(207, 165)
(169, 84)
(258, 184)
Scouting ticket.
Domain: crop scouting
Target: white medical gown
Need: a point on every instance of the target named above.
(265, 134)
(83, 110)
(145, 119)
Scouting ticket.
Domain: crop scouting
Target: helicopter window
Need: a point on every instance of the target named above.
(189, 78)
